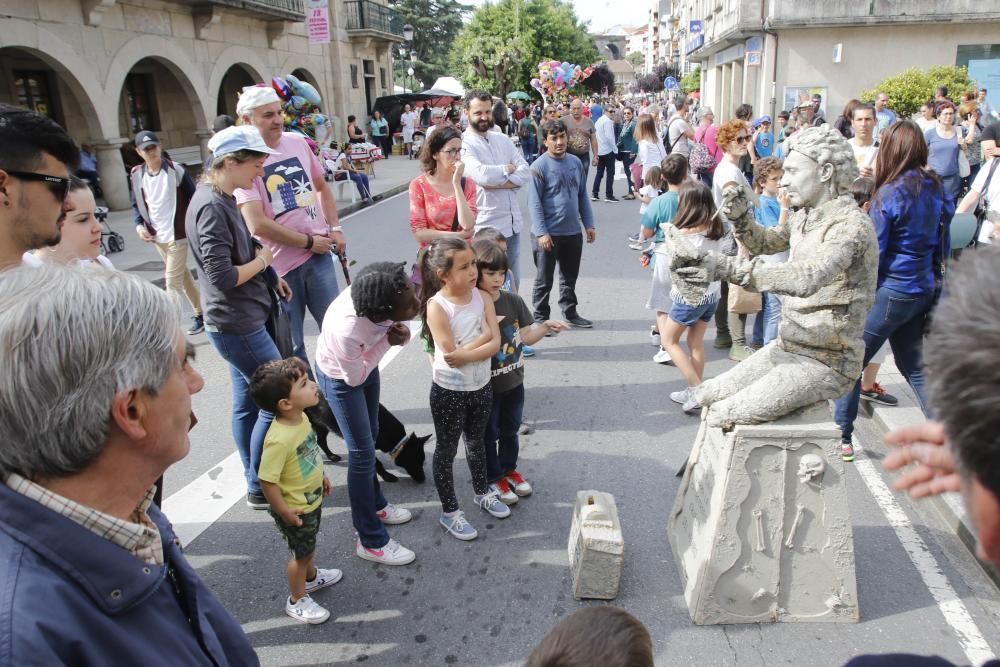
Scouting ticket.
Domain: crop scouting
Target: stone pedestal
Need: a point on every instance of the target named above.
(114, 178)
(760, 528)
(596, 547)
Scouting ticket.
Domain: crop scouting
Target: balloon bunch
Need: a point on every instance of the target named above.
(300, 108)
(554, 76)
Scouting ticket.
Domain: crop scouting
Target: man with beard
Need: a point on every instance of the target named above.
(36, 156)
(499, 170)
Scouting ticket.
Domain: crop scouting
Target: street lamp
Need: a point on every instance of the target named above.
(408, 32)
(409, 72)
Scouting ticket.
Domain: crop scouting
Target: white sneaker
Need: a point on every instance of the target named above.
(654, 337)
(393, 553)
(662, 357)
(506, 494)
(490, 502)
(306, 610)
(680, 396)
(520, 484)
(323, 579)
(393, 516)
(691, 404)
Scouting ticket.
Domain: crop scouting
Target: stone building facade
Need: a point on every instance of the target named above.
(105, 69)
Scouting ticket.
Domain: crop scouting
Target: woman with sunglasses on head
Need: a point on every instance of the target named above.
(442, 202)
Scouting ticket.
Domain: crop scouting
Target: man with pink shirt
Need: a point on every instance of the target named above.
(293, 212)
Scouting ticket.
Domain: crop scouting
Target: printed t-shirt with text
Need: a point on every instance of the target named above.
(507, 365)
(288, 195)
(292, 460)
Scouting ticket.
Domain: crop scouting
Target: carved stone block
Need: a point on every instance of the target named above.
(596, 547)
(760, 528)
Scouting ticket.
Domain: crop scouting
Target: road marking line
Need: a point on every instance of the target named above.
(955, 613)
(368, 208)
(194, 508)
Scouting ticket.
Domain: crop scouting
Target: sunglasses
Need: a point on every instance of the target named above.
(742, 139)
(57, 186)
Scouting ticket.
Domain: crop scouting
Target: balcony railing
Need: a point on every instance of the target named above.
(291, 10)
(366, 15)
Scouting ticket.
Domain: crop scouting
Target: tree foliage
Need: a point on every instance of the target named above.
(600, 80)
(435, 22)
(691, 81)
(500, 48)
(911, 88)
(636, 59)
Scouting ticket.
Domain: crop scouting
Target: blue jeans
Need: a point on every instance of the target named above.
(502, 443)
(514, 258)
(765, 323)
(314, 286)
(898, 318)
(528, 147)
(361, 183)
(356, 410)
(245, 353)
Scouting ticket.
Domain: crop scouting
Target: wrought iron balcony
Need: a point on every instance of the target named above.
(368, 18)
(291, 10)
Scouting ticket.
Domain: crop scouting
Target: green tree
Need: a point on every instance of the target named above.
(636, 59)
(501, 46)
(911, 88)
(435, 22)
(691, 81)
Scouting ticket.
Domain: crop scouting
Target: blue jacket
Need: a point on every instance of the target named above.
(908, 215)
(71, 597)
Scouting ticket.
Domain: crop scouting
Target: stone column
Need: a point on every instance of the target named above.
(111, 168)
(203, 137)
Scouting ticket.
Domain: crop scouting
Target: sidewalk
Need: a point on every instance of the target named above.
(949, 506)
(392, 176)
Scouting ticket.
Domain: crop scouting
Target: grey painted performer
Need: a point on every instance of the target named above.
(827, 286)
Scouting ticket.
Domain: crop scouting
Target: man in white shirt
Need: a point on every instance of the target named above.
(862, 143)
(679, 133)
(35, 158)
(606, 151)
(499, 170)
(160, 193)
(986, 186)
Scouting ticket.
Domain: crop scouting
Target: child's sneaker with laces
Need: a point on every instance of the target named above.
(393, 516)
(323, 579)
(503, 490)
(490, 502)
(847, 451)
(306, 610)
(521, 486)
(456, 524)
(393, 553)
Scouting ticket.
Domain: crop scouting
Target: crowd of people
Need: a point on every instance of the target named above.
(263, 230)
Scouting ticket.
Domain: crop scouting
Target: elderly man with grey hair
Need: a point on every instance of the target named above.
(92, 411)
(827, 285)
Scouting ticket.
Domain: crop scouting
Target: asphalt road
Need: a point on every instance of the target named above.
(603, 421)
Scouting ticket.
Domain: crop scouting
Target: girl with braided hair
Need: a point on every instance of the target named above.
(359, 328)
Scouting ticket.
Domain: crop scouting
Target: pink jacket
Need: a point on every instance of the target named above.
(350, 347)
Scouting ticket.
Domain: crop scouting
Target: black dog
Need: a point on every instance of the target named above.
(406, 451)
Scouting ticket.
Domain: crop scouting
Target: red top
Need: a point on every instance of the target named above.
(431, 210)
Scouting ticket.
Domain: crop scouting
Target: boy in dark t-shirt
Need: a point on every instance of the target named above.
(517, 329)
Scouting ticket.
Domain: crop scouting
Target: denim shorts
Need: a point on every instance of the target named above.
(689, 315)
(301, 540)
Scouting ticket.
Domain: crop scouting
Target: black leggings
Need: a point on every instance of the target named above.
(455, 413)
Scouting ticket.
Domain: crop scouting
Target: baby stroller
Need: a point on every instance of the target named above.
(418, 143)
(111, 241)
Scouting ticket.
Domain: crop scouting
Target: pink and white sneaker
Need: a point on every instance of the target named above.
(392, 515)
(393, 553)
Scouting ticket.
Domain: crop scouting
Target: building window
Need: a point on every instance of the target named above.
(381, 71)
(33, 92)
(354, 77)
(140, 103)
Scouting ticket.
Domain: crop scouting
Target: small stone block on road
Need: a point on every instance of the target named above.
(761, 529)
(596, 546)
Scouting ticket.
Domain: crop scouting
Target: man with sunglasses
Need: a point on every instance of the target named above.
(36, 156)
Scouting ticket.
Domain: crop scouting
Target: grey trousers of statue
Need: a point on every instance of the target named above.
(769, 384)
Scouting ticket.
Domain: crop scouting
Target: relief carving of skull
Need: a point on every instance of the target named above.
(811, 468)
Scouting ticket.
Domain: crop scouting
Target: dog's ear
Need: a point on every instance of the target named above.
(421, 439)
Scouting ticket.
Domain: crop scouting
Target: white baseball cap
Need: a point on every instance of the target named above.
(238, 138)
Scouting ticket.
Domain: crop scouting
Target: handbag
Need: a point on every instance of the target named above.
(278, 324)
(743, 301)
(964, 168)
(700, 160)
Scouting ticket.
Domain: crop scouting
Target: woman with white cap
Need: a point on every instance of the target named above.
(234, 274)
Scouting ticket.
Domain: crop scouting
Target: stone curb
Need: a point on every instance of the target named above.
(949, 506)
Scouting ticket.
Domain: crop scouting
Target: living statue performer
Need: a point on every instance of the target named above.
(827, 285)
